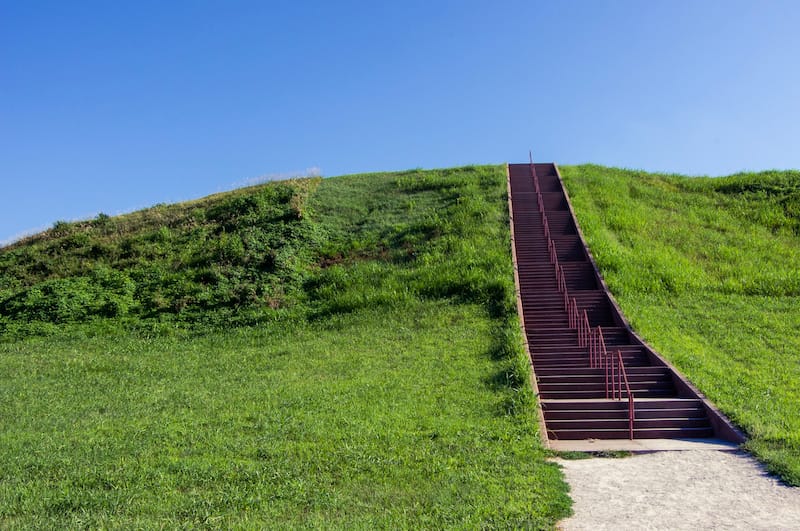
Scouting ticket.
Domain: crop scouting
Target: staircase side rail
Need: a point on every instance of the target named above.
(533, 172)
(602, 355)
(584, 331)
(624, 380)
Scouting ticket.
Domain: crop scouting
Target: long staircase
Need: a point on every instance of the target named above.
(596, 379)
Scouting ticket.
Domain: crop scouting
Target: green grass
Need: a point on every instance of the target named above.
(339, 353)
(707, 271)
(390, 419)
(228, 258)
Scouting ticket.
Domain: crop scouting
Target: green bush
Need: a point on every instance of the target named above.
(103, 293)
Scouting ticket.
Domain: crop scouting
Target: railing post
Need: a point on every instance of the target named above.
(631, 406)
(569, 315)
(614, 369)
(585, 328)
(601, 343)
(573, 314)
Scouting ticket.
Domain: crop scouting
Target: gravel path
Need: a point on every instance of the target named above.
(678, 490)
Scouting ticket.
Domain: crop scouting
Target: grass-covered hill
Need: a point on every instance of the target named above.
(708, 271)
(344, 352)
(338, 353)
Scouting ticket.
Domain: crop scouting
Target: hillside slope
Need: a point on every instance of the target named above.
(707, 271)
(336, 353)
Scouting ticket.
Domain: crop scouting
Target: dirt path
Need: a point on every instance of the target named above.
(678, 490)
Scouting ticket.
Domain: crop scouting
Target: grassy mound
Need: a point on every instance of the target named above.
(330, 353)
(211, 261)
(707, 271)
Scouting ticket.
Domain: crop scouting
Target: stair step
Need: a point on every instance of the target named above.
(566, 414)
(651, 433)
(556, 383)
(599, 382)
(664, 403)
(569, 395)
(633, 372)
(622, 423)
(626, 350)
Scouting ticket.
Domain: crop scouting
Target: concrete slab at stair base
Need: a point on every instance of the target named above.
(642, 445)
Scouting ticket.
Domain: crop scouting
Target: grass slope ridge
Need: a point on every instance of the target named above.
(316, 353)
(706, 270)
(221, 258)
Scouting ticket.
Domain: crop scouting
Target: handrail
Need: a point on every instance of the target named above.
(585, 330)
(613, 367)
(602, 353)
(574, 314)
(616, 375)
(561, 279)
(533, 173)
(624, 379)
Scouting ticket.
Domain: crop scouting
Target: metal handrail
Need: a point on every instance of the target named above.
(585, 330)
(623, 378)
(533, 168)
(603, 357)
(614, 367)
(574, 314)
(561, 279)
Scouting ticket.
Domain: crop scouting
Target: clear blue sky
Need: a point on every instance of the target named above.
(113, 106)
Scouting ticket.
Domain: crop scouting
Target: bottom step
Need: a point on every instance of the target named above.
(652, 433)
(640, 445)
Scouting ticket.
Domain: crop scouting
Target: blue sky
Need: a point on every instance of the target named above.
(113, 106)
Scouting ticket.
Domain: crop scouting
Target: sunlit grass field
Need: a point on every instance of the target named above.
(340, 353)
(345, 353)
(377, 419)
(708, 271)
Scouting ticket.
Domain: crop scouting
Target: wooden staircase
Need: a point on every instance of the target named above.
(574, 391)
